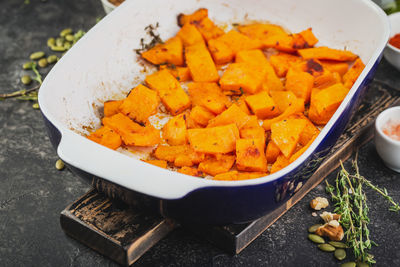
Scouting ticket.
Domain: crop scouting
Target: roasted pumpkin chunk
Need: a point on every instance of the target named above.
(238, 42)
(327, 53)
(190, 35)
(169, 52)
(208, 29)
(111, 107)
(239, 77)
(195, 17)
(351, 76)
(140, 104)
(180, 156)
(335, 66)
(182, 74)
(252, 129)
(262, 105)
(208, 95)
(280, 163)
(300, 83)
(283, 99)
(215, 140)
(192, 171)
(174, 131)
(272, 152)
(267, 33)
(296, 106)
(216, 165)
(201, 115)
(282, 62)
(286, 134)
(157, 162)
(232, 115)
(107, 137)
(250, 155)
(237, 176)
(220, 51)
(201, 64)
(170, 91)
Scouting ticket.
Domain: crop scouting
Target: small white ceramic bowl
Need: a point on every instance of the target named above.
(388, 148)
(391, 53)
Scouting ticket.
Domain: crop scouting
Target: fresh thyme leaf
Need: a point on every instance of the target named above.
(155, 38)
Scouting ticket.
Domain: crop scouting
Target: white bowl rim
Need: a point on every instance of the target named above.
(391, 18)
(379, 127)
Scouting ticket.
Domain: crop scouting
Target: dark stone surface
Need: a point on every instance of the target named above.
(33, 192)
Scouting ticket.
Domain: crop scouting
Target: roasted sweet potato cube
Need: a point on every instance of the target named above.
(169, 52)
(280, 163)
(283, 99)
(216, 165)
(352, 74)
(282, 62)
(192, 171)
(182, 74)
(221, 139)
(262, 105)
(174, 131)
(272, 152)
(300, 83)
(238, 42)
(232, 115)
(327, 53)
(201, 64)
(190, 35)
(242, 77)
(157, 162)
(208, 29)
(168, 88)
(335, 66)
(208, 95)
(309, 37)
(252, 129)
(140, 104)
(201, 115)
(111, 107)
(325, 102)
(296, 107)
(220, 51)
(107, 137)
(250, 155)
(286, 134)
(196, 16)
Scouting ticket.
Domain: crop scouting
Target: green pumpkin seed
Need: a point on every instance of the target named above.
(69, 37)
(316, 239)
(43, 63)
(60, 41)
(348, 264)
(78, 35)
(340, 254)
(313, 228)
(26, 79)
(51, 42)
(67, 45)
(362, 264)
(52, 59)
(326, 247)
(27, 65)
(58, 48)
(60, 165)
(35, 106)
(37, 55)
(337, 244)
(65, 32)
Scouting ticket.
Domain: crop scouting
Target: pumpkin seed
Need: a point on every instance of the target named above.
(27, 65)
(51, 42)
(37, 55)
(362, 264)
(60, 165)
(67, 45)
(326, 247)
(58, 48)
(337, 244)
(26, 79)
(313, 228)
(348, 264)
(65, 32)
(316, 239)
(42, 63)
(52, 59)
(340, 254)
(60, 41)
(69, 37)
(35, 106)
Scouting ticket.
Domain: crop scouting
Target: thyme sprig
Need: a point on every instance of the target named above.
(351, 203)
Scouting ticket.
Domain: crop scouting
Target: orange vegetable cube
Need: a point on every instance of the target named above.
(208, 95)
(220, 51)
(208, 29)
(286, 134)
(327, 79)
(296, 107)
(300, 83)
(283, 99)
(238, 42)
(168, 88)
(232, 115)
(242, 76)
(182, 155)
(157, 162)
(352, 74)
(196, 16)
(312, 66)
(201, 115)
(282, 62)
(309, 37)
(280, 163)
(174, 131)
(221, 139)
(327, 53)
(266, 33)
(191, 171)
(237, 176)
(214, 166)
(272, 152)
(190, 35)
(241, 103)
(335, 66)
(169, 52)
(302, 150)
(201, 64)
(252, 129)
(182, 74)
(140, 104)
(309, 132)
(111, 107)
(227, 176)
(107, 137)
(262, 105)
(250, 155)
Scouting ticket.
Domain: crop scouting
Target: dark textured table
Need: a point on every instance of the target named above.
(33, 192)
